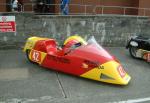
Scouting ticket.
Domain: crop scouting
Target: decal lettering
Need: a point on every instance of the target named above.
(101, 67)
(91, 64)
(59, 59)
(84, 65)
(36, 56)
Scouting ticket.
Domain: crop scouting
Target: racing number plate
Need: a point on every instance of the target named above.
(121, 71)
(36, 56)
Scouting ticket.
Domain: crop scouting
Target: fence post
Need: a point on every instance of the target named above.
(144, 12)
(94, 10)
(85, 8)
(23, 7)
(102, 10)
(32, 7)
(124, 11)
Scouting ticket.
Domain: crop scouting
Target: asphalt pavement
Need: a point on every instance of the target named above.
(24, 82)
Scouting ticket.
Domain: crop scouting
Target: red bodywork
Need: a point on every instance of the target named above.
(77, 57)
(72, 62)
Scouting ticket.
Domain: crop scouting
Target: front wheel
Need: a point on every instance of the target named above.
(133, 50)
(27, 55)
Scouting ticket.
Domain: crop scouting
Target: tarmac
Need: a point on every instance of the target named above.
(24, 82)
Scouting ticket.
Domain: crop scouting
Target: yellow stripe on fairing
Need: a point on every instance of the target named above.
(43, 55)
(110, 69)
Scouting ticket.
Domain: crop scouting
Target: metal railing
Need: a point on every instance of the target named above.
(139, 10)
(83, 9)
(80, 9)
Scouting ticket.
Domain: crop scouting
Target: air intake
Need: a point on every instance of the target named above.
(103, 76)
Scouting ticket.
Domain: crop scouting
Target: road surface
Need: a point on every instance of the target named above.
(23, 82)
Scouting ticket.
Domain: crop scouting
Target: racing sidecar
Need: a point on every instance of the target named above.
(139, 47)
(77, 57)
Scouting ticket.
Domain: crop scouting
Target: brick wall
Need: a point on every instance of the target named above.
(144, 4)
(89, 9)
(2, 7)
(28, 5)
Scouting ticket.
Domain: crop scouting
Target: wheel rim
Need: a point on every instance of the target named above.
(133, 51)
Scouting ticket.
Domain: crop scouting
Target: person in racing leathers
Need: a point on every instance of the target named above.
(70, 45)
(73, 42)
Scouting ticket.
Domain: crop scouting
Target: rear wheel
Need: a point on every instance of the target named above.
(132, 51)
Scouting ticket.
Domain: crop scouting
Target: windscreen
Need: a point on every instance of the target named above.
(97, 47)
(92, 48)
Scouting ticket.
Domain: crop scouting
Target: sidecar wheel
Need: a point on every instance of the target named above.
(132, 51)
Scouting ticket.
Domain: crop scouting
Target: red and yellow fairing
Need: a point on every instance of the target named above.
(31, 42)
(86, 61)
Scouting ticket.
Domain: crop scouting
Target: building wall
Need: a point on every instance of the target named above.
(144, 4)
(2, 7)
(89, 9)
(122, 3)
(92, 3)
(28, 5)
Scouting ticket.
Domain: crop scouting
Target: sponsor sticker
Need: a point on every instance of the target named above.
(84, 65)
(121, 71)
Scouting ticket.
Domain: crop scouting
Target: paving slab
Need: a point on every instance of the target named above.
(87, 91)
(21, 80)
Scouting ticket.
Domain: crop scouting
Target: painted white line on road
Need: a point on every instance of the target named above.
(27, 100)
(138, 100)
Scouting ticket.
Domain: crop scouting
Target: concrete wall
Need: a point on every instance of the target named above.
(108, 30)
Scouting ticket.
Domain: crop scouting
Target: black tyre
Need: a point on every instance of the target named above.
(27, 55)
(132, 51)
